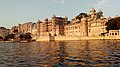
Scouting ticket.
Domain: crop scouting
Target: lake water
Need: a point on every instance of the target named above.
(88, 53)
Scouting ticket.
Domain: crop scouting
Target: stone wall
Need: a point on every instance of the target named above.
(69, 38)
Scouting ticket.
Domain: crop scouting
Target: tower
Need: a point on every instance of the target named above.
(101, 14)
(46, 25)
(66, 18)
(53, 25)
(38, 27)
(92, 12)
(85, 26)
(19, 28)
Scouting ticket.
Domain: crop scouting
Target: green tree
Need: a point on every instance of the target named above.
(81, 15)
(26, 36)
(1, 37)
(11, 36)
(15, 30)
(113, 24)
(22, 36)
(6, 38)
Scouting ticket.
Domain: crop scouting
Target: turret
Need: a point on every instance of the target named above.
(53, 16)
(46, 19)
(53, 25)
(46, 25)
(38, 21)
(38, 27)
(100, 11)
(101, 14)
(66, 18)
(85, 26)
(92, 12)
(19, 29)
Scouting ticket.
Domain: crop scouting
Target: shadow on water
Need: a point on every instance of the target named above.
(89, 54)
(86, 53)
(66, 60)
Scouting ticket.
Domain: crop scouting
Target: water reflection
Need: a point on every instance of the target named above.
(94, 53)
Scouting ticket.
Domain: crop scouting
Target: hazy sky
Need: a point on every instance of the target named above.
(13, 12)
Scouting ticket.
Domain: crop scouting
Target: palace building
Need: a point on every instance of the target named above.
(91, 24)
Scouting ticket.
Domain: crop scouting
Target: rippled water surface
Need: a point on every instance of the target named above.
(89, 53)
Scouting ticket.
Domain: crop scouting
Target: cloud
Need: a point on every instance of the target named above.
(53, 0)
(61, 1)
(102, 3)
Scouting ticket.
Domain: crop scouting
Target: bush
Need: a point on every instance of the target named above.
(1, 37)
(113, 24)
(26, 36)
(22, 36)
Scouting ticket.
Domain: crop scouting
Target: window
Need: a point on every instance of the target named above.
(68, 28)
(75, 27)
(115, 33)
(89, 30)
(72, 28)
(112, 33)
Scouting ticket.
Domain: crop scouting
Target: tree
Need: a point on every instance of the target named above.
(81, 15)
(113, 24)
(26, 36)
(1, 37)
(11, 36)
(22, 36)
(6, 38)
(15, 30)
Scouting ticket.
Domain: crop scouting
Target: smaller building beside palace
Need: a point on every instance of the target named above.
(3, 32)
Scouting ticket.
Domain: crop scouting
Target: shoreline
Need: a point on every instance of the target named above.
(69, 38)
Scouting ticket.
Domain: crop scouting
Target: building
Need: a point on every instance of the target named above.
(3, 32)
(91, 24)
(26, 27)
(58, 25)
(114, 32)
